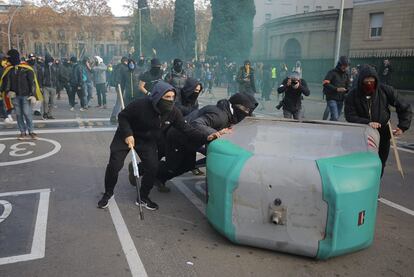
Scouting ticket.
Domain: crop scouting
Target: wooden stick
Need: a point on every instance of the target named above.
(397, 155)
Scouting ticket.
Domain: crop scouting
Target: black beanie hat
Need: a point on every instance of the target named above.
(244, 99)
(14, 57)
(155, 62)
(73, 59)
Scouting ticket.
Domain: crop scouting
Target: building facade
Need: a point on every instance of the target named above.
(64, 36)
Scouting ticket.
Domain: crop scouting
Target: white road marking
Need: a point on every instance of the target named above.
(39, 236)
(396, 206)
(7, 209)
(55, 150)
(134, 261)
(62, 120)
(63, 131)
(190, 196)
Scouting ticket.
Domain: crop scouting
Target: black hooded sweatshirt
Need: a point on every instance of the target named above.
(186, 100)
(360, 109)
(336, 78)
(143, 120)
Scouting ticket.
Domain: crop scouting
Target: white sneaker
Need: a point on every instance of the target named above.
(82, 109)
(72, 109)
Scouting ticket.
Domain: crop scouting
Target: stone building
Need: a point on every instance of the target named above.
(62, 35)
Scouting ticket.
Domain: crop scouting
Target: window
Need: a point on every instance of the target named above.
(305, 9)
(268, 16)
(376, 21)
(318, 8)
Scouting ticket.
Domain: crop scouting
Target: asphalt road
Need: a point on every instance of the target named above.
(50, 225)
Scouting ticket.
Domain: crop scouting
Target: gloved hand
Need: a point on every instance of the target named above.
(32, 100)
(11, 94)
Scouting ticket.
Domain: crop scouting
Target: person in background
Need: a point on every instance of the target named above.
(77, 83)
(63, 76)
(149, 78)
(335, 87)
(386, 72)
(49, 80)
(37, 65)
(99, 77)
(245, 78)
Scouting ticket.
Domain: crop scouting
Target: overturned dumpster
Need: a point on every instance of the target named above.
(306, 188)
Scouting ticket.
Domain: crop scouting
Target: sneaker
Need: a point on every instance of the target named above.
(44, 117)
(148, 204)
(50, 117)
(197, 172)
(72, 109)
(37, 113)
(33, 135)
(22, 136)
(104, 202)
(82, 109)
(99, 106)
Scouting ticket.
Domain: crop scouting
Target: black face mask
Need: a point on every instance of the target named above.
(193, 97)
(155, 71)
(31, 62)
(178, 67)
(165, 106)
(238, 115)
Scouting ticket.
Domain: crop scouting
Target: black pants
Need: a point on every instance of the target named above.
(147, 152)
(180, 156)
(75, 91)
(384, 147)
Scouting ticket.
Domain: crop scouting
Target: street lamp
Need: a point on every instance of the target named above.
(10, 23)
(339, 32)
(140, 30)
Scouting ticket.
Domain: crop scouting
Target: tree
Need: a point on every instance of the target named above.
(184, 31)
(231, 33)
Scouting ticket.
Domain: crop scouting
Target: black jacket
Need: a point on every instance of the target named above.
(64, 72)
(246, 81)
(20, 80)
(185, 99)
(49, 73)
(293, 97)
(359, 109)
(143, 120)
(336, 78)
(76, 76)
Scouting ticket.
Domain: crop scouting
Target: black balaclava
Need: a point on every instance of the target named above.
(14, 57)
(31, 59)
(155, 67)
(165, 106)
(178, 65)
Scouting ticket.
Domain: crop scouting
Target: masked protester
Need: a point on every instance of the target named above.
(141, 125)
(49, 85)
(38, 68)
(186, 100)
(177, 76)
(77, 83)
(149, 78)
(294, 88)
(335, 87)
(20, 90)
(245, 78)
(181, 150)
(120, 77)
(369, 104)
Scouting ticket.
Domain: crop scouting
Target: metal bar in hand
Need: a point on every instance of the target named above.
(138, 186)
(397, 155)
(121, 97)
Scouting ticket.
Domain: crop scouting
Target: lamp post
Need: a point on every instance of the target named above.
(140, 29)
(10, 23)
(339, 32)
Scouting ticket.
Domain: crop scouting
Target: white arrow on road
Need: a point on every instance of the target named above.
(7, 210)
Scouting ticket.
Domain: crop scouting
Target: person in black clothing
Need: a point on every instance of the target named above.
(181, 151)
(177, 76)
(149, 78)
(245, 78)
(49, 87)
(63, 76)
(369, 104)
(77, 84)
(186, 100)
(141, 124)
(335, 87)
(120, 76)
(386, 72)
(267, 82)
(37, 65)
(293, 87)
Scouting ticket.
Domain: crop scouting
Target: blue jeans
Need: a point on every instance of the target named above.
(24, 114)
(335, 108)
(87, 93)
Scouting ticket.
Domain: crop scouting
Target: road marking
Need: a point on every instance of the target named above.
(61, 120)
(404, 149)
(63, 131)
(55, 150)
(7, 209)
(134, 261)
(396, 206)
(39, 236)
(190, 196)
